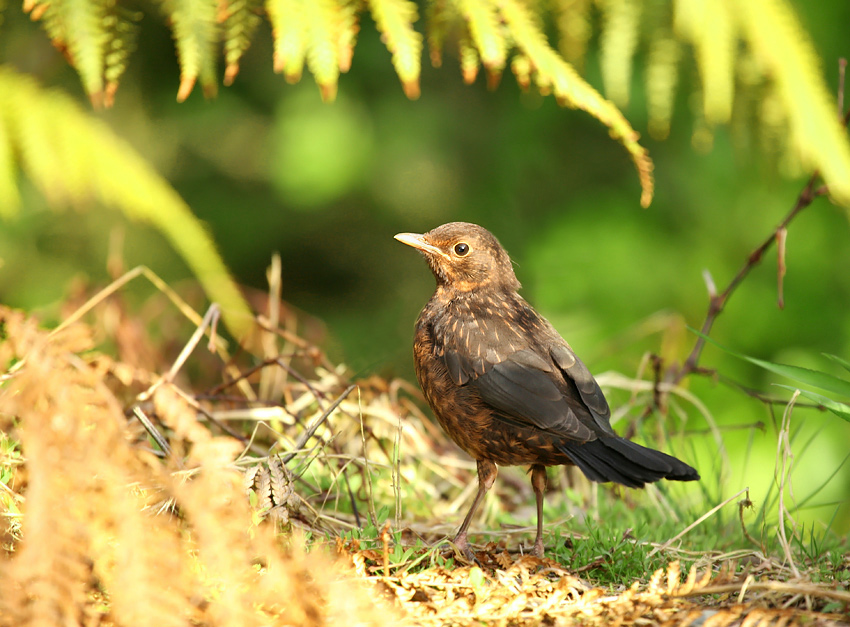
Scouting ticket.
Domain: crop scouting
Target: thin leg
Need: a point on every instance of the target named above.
(538, 482)
(487, 472)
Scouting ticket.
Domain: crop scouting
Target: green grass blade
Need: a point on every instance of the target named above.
(841, 362)
(814, 378)
(841, 410)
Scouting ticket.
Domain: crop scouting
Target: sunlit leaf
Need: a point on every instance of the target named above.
(839, 409)
(618, 42)
(290, 37)
(193, 23)
(786, 51)
(485, 31)
(74, 159)
(395, 18)
(814, 378)
(552, 72)
(322, 21)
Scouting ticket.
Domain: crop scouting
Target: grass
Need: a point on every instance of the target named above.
(275, 492)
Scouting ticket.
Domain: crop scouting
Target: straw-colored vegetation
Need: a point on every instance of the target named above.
(272, 489)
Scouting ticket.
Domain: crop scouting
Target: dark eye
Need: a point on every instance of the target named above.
(462, 249)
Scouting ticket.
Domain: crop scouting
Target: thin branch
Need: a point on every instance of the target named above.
(717, 302)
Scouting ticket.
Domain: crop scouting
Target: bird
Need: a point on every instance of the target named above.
(505, 386)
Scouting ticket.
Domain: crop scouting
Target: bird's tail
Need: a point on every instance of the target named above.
(622, 461)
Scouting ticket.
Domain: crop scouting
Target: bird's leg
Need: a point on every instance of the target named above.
(538, 482)
(487, 472)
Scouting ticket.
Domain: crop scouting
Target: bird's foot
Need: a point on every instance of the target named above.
(461, 546)
(538, 547)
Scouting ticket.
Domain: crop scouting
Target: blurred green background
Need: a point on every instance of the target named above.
(270, 168)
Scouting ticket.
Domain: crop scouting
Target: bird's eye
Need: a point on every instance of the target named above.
(462, 249)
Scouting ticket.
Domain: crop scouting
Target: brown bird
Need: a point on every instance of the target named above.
(503, 383)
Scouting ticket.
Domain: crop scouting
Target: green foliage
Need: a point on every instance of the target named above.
(74, 159)
(807, 376)
(761, 42)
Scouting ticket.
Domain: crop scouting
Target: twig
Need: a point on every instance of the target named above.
(161, 442)
(717, 302)
(309, 431)
(784, 461)
(698, 521)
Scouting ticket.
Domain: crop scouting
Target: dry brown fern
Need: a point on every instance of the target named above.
(92, 536)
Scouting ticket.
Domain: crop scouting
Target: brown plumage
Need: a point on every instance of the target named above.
(504, 385)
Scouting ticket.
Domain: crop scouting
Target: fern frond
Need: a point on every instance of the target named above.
(662, 75)
(193, 25)
(470, 62)
(709, 26)
(572, 19)
(784, 48)
(290, 37)
(482, 21)
(521, 67)
(74, 159)
(89, 33)
(321, 18)
(120, 45)
(438, 18)
(87, 39)
(394, 19)
(240, 19)
(349, 27)
(552, 72)
(10, 199)
(618, 41)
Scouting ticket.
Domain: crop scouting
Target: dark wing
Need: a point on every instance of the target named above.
(554, 392)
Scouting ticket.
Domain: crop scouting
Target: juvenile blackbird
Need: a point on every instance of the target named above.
(503, 383)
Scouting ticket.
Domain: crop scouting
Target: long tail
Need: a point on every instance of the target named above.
(622, 461)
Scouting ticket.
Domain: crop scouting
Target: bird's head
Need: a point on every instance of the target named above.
(464, 256)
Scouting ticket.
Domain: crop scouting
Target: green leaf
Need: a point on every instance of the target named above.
(814, 378)
(241, 18)
(322, 20)
(193, 25)
(618, 42)
(841, 410)
(75, 159)
(555, 74)
(785, 49)
(290, 39)
(841, 362)
(395, 18)
(485, 30)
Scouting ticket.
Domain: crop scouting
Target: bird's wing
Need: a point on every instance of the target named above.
(555, 392)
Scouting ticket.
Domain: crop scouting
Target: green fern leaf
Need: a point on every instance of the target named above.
(87, 39)
(75, 159)
(240, 19)
(572, 18)
(121, 44)
(710, 27)
(552, 72)
(787, 54)
(470, 62)
(395, 18)
(290, 38)
(618, 42)
(439, 16)
(485, 31)
(349, 27)
(661, 78)
(193, 25)
(322, 19)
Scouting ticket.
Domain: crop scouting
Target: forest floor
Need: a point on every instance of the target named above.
(149, 481)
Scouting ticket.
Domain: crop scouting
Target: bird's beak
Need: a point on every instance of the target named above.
(418, 242)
